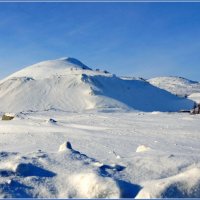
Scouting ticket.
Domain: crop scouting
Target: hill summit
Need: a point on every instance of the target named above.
(49, 68)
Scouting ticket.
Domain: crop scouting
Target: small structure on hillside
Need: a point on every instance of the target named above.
(196, 109)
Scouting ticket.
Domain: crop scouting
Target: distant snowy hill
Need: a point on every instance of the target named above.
(67, 84)
(176, 85)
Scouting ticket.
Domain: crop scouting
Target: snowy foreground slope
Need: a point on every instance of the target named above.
(69, 85)
(110, 155)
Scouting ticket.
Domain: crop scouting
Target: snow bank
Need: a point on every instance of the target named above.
(90, 185)
(183, 185)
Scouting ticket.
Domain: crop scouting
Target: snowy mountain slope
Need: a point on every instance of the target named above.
(69, 85)
(176, 85)
(136, 94)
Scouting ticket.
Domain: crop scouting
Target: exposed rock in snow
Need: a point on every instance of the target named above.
(51, 121)
(8, 116)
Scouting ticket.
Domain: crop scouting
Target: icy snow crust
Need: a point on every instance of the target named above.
(94, 155)
(69, 85)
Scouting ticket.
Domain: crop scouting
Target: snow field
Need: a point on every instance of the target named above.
(93, 155)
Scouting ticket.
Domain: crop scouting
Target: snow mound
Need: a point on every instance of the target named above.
(142, 148)
(183, 185)
(90, 185)
(65, 146)
(176, 85)
(69, 85)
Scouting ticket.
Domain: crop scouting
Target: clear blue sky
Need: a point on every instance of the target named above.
(135, 39)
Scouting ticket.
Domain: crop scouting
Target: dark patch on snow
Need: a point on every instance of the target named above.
(6, 173)
(6, 154)
(28, 169)
(14, 189)
(178, 190)
(128, 190)
(108, 171)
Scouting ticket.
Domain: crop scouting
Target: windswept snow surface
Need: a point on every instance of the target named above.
(69, 85)
(94, 155)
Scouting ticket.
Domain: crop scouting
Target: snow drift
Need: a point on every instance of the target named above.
(183, 185)
(90, 185)
(67, 84)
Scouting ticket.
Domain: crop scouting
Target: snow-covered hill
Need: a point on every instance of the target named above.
(176, 85)
(67, 84)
